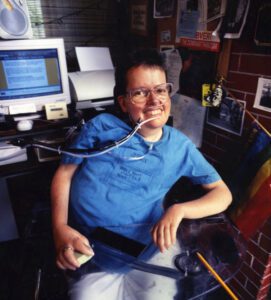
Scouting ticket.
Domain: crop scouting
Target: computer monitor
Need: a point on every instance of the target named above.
(32, 74)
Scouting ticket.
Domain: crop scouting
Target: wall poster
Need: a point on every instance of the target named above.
(195, 27)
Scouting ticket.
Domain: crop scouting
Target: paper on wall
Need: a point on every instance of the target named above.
(173, 63)
(188, 117)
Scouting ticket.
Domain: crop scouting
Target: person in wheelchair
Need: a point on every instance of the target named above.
(122, 188)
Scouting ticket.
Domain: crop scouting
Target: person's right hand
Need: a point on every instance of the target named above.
(68, 240)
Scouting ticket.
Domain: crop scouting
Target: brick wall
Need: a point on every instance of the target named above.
(247, 63)
(254, 278)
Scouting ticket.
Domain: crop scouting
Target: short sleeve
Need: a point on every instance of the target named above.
(201, 171)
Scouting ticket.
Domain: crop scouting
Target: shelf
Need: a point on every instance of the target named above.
(31, 165)
(40, 127)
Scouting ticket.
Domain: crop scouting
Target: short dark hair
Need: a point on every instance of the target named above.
(150, 57)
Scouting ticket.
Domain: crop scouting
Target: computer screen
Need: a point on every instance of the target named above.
(32, 72)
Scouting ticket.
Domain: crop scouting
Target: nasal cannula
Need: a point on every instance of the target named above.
(97, 151)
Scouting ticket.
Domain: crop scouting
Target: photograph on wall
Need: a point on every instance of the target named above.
(213, 14)
(263, 95)
(215, 9)
(163, 8)
(236, 18)
(229, 116)
(262, 35)
(139, 19)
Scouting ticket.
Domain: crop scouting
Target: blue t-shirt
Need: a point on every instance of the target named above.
(125, 194)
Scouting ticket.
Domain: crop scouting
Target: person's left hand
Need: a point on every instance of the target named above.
(164, 232)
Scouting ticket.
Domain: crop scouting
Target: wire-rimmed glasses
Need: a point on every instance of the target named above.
(141, 95)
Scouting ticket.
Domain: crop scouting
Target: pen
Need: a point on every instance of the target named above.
(217, 277)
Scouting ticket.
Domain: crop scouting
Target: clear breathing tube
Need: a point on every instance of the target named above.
(95, 151)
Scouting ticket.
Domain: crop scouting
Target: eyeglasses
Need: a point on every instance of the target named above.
(141, 95)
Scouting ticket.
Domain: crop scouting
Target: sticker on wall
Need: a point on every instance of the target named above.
(207, 90)
(165, 36)
(212, 94)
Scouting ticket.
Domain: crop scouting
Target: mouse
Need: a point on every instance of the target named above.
(25, 125)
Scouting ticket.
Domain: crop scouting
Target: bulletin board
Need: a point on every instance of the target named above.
(204, 57)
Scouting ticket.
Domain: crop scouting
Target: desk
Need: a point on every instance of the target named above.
(24, 184)
(29, 181)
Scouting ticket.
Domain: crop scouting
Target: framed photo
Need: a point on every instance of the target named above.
(139, 18)
(163, 8)
(263, 95)
(229, 116)
(262, 33)
(236, 20)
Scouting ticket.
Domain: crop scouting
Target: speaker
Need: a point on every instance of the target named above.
(14, 20)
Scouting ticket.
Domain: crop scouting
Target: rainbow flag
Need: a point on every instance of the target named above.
(252, 190)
